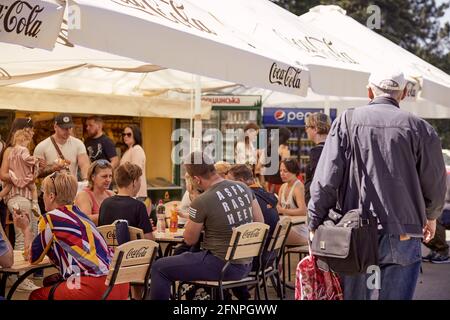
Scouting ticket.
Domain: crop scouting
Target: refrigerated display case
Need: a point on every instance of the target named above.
(227, 113)
(231, 119)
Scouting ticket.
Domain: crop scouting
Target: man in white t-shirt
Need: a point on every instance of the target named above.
(72, 149)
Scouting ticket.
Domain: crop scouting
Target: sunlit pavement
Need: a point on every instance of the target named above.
(433, 284)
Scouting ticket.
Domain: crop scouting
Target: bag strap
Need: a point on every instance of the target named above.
(358, 165)
(58, 150)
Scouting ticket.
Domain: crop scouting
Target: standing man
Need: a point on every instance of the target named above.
(403, 181)
(98, 145)
(61, 150)
(222, 206)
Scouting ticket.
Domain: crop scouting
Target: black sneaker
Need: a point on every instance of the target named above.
(440, 259)
(429, 256)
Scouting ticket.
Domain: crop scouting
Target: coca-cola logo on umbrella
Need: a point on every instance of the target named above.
(21, 17)
(169, 10)
(290, 77)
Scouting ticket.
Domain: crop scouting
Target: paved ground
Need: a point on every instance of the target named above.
(433, 284)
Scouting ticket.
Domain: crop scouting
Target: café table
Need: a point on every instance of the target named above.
(23, 269)
(169, 238)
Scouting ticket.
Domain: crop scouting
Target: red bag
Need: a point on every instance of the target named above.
(311, 283)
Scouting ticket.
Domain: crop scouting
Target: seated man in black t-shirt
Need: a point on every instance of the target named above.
(122, 205)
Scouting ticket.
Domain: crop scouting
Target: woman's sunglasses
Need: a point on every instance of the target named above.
(127, 134)
(102, 163)
(53, 177)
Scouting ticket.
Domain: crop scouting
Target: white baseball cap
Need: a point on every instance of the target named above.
(388, 79)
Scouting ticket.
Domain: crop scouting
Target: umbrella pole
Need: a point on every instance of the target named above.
(197, 141)
(327, 105)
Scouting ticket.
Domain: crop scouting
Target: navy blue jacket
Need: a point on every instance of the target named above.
(268, 203)
(404, 172)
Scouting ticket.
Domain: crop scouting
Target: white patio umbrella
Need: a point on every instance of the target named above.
(31, 23)
(254, 42)
(434, 83)
(334, 68)
(82, 80)
(184, 36)
(19, 64)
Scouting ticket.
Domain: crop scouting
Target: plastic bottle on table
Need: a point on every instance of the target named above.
(174, 219)
(161, 217)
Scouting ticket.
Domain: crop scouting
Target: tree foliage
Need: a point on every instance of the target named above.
(415, 25)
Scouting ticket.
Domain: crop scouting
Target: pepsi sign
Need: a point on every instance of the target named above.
(291, 117)
(279, 115)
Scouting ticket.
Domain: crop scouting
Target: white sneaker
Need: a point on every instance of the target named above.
(27, 285)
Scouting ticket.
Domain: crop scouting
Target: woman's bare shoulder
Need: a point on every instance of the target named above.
(7, 152)
(82, 196)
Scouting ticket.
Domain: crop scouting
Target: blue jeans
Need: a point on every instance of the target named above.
(189, 266)
(399, 263)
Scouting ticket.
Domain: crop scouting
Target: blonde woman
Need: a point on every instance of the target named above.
(73, 244)
(91, 198)
(18, 197)
(222, 168)
(317, 128)
(23, 169)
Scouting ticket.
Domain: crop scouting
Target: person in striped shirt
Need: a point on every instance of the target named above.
(71, 241)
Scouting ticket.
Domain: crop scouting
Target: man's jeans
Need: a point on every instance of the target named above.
(188, 266)
(399, 263)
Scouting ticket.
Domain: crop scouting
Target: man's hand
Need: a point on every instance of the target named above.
(311, 235)
(182, 214)
(42, 162)
(429, 230)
